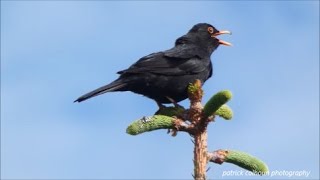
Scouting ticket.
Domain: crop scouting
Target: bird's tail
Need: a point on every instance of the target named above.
(116, 85)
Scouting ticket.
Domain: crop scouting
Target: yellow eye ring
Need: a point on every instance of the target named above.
(210, 30)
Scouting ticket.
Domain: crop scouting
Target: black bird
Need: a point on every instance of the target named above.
(164, 76)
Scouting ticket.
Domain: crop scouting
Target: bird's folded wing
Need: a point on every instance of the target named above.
(161, 63)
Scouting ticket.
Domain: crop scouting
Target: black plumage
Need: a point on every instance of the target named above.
(164, 76)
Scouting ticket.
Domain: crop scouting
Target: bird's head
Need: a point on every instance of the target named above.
(205, 35)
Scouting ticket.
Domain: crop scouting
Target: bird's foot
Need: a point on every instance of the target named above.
(161, 108)
(170, 111)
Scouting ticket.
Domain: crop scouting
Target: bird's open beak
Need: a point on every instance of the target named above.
(221, 41)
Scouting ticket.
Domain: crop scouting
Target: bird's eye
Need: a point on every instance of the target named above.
(210, 30)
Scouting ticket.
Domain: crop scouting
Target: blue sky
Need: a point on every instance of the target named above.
(54, 51)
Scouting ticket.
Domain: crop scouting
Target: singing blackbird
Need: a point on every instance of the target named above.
(164, 76)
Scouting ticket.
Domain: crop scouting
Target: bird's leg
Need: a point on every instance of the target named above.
(161, 110)
(161, 106)
(174, 102)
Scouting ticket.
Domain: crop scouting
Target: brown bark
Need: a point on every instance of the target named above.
(200, 155)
